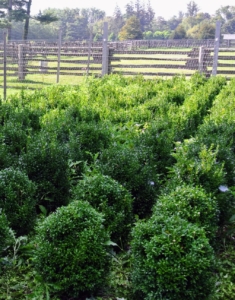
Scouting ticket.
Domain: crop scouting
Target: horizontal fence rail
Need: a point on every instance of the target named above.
(130, 45)
(160, 62)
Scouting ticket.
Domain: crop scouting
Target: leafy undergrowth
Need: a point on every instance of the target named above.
(119, 188)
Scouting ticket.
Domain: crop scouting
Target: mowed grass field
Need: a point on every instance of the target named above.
(123, 63)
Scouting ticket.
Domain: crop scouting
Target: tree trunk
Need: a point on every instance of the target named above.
(26, 24)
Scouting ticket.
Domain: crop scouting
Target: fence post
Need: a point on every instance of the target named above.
(105, 50)
(201, 59)
(5, 65)
(89, 50)
(216, 48)
(59, 53)
(21, 62)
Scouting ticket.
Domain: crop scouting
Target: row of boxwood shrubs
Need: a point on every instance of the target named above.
(135, 130)
(174, 250)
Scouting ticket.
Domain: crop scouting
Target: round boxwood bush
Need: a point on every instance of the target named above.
(14, 137)
(17, 200)
(86, 139)
(5, 235)
(135, 170)
(193, 204)
(46, 163)
(171, 260)
(71, 249)
(197, 164)
(109, 197)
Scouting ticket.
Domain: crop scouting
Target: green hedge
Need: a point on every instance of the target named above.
(5, 236)
(109, 197)
(134, 169)
(192, 204)
(17, 200)
(46, 163)
(71, 249)
(171, 260)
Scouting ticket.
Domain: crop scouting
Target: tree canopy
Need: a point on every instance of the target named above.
(131, 30)
(20, 11)
(138, 20)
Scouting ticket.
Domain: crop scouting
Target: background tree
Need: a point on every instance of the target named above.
(226, 14)
(78, 30)
(116, 23)
(15, 15)
(229, 27)
(130, 10)
(20, 11)
(192, 9)
(160, 24)
(173, 22)
(191, 21)
(150, 14)
(204, 30)
(131, 30)
(179, 32)
(144, 13)
(11, 10)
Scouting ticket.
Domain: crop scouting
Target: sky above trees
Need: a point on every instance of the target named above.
(166, 8)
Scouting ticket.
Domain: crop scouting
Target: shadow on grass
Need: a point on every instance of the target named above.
(29, 81)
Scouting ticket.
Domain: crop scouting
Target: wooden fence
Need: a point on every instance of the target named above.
(172, 62)
(26, 61)
(159, 62)
(132, 45)
(184, 43)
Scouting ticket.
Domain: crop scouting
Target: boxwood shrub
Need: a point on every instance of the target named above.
(71, 249)
(14, 137)
(108, 196)
(197, 164)
(193, 204)
(5, 236)
(135, 170)
(46, 163)
(17, 200)
(171, 260)
(89, 137)
(221, 134)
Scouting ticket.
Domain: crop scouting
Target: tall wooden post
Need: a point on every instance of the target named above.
(216, 48)
(201, 59)
(5, 65)
(105, 51)
(89, 49)
(59, 53)
(21, 62)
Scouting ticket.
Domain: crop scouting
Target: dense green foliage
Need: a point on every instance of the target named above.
(46, 164)
(192, 204)
(17, 200)
(71, 249)
(172, 259)
(109, 197)
(135, 170)
(131, 30)
(119, 155)
(4, 232)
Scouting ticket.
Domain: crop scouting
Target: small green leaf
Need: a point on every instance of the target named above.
(43, 210)
(110, 243)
